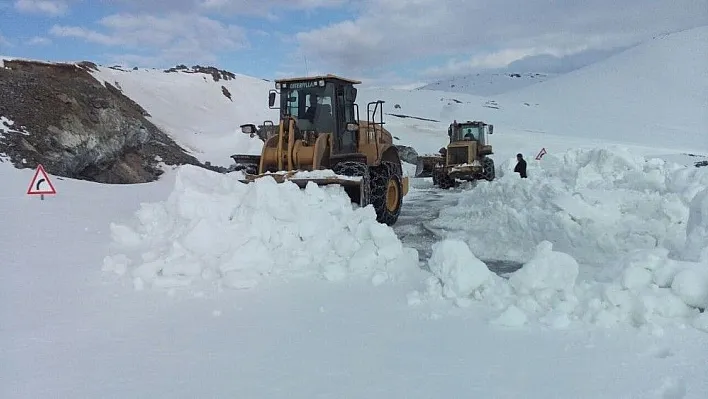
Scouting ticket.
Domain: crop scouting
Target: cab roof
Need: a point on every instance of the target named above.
(318, 77)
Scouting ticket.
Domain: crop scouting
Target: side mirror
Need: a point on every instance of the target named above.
(491, 129)
(271, 98)
(249, 129)
(352, 127)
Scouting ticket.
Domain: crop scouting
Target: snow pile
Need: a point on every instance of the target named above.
(216, 230)
(604, 238)
(8, 126)
(648, 291)
(458, 269)
(594, 204)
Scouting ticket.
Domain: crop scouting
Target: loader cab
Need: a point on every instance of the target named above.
(320, 104)
(470, 131)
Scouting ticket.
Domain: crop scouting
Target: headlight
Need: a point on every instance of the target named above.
(247, 129)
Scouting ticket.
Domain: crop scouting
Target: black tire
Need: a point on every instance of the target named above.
(362, 195)
(394, 167)
(386, 192)
(444, 180)
(488, 171)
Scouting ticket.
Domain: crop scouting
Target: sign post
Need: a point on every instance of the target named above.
(41, 184)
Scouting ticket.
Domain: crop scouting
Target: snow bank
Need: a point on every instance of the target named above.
(604, 238)
(648, 291)
(593, 204)
(213, 229)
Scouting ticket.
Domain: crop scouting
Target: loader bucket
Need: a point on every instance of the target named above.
(352, 185)
(426, 164)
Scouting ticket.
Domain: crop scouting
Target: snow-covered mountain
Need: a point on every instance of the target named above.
(655, 93)
(196, 285)
(488, 84)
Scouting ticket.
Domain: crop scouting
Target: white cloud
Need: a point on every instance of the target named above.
(86, 34)
(487, 34)
(261, 8)
(38, 41)
(52, 8)
(169, 39)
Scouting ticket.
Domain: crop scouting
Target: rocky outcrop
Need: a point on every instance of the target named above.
(216, 74)
(77, 127)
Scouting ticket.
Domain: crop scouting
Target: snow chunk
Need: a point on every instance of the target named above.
(547, 270)
(692, 287)
(459, 271)
(697, 228)
(512, 317)
(322, 174)
(8, 126)
(547, 289)
(215, 229)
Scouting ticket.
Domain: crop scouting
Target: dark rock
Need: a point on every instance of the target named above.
(226, 92)
(216, 74)
(78, 127)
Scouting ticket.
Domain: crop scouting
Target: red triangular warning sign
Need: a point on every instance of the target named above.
(40, 183)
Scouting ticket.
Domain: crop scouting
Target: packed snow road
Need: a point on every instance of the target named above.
(422, 205)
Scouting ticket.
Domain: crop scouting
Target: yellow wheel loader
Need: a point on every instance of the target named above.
(466, 157)
(320, 138)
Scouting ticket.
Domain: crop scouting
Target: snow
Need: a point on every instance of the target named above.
(198, 285)
(488, 84)
(697, 227)
(639, 95)
(8, 126)
(602, 237)
(315, 174)
(630, 99)
(192, 109)
(214, 229)
(460, 272)
(595, 204)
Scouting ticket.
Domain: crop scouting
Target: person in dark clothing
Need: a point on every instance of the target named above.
(520, 166)
(310, 112)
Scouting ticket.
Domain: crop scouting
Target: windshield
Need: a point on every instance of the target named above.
(466, 132)
(310, 106)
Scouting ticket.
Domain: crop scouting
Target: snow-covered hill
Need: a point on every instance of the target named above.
(488, 84)
(195, 109)
(655, 93)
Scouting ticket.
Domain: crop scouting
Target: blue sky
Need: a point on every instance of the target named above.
(400, 41)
